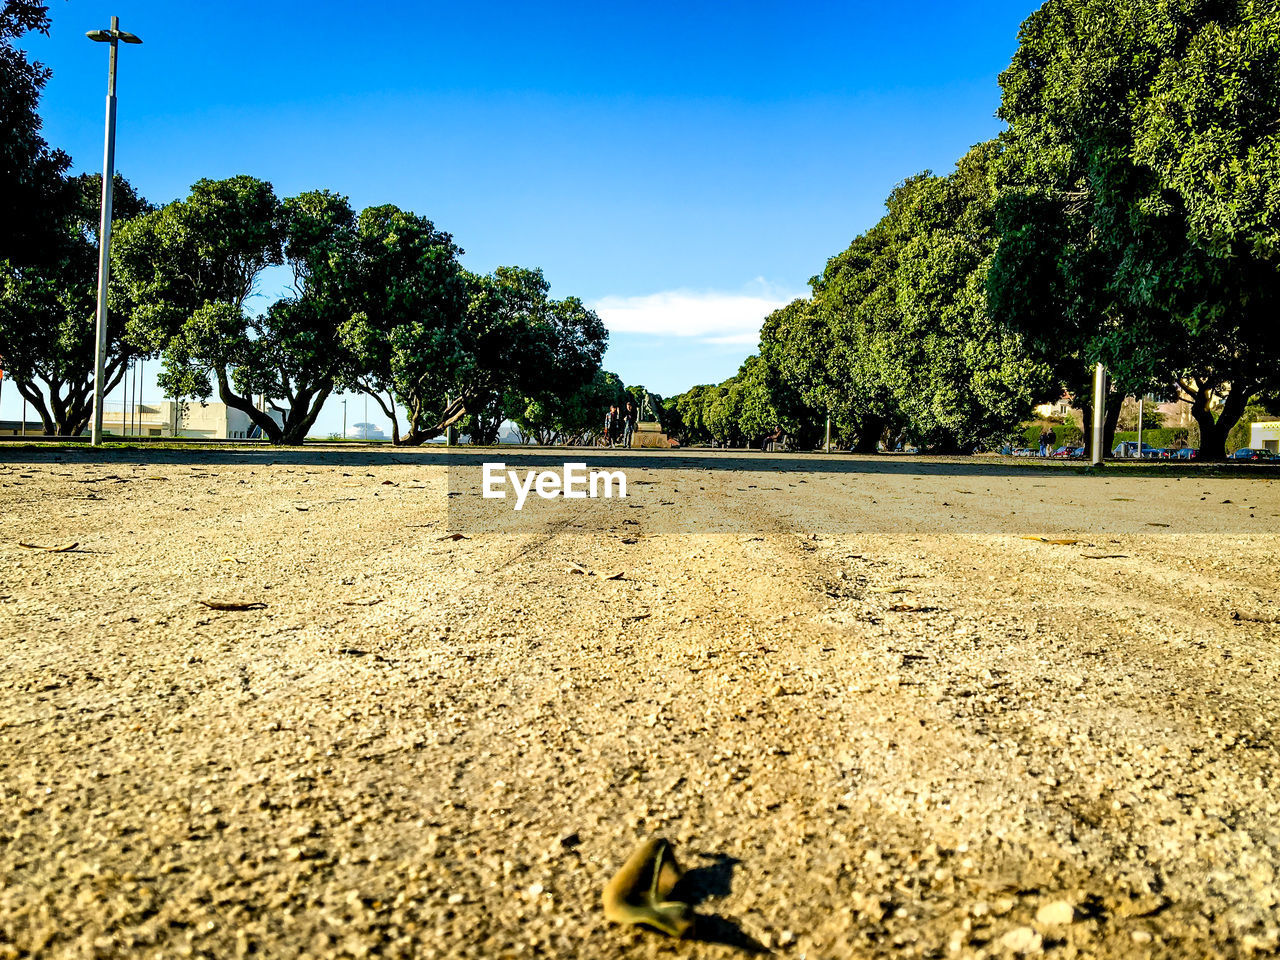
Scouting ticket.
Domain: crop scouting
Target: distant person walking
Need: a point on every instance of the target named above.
(1044, 442)
(629, 417)
(1051, 441)
(612, 426)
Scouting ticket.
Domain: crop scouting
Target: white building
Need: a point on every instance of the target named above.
(1265, 436)
(170, 418)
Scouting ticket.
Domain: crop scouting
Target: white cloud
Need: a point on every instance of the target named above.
(734, 339)
(712, 316)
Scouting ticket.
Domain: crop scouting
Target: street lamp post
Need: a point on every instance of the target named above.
(113, 37)
(1099, 412)
(344, 418)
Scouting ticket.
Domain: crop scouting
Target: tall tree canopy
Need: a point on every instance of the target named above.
(193, 268)
(1138, 195)
(898, 335)
(439, 344)
(35, 197)
(48, 313)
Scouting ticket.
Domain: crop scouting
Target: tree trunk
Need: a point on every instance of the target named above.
(302, 415)
(261, 419)
(1213, 433)
(1109, 421)
(36, 399)
(389, 410)
(455, 411)
(869, 435)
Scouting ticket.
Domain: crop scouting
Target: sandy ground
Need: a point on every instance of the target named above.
(901, 731)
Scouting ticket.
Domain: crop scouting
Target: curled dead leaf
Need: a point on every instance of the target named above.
(638, 893)
(233, 604)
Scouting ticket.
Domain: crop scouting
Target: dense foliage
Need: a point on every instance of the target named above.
(35, 196)
(896, 343)
(48, 313)
(1139, 194)
(1128, 215)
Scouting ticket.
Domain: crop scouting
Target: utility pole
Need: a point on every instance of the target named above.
(1141, 400)
(113, 37)
(826, 447)
(1099, 411)
(344, 418)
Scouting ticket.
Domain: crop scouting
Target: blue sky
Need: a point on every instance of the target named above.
(684, 167)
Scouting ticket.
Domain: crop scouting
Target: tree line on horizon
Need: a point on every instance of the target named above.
(1129, 214)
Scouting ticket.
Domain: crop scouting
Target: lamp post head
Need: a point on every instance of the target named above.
(107, 36)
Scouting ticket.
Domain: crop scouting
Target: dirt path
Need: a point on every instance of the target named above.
(862, 742)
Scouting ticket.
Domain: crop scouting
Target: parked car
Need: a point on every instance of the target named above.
(1068, 452)
(1185, 453)
(1129, 449)
(1251, 453)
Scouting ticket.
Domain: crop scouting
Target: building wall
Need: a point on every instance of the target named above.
(13, 428)
(143, 419)
(214, 421)
(1060, 408)
(1265, 436)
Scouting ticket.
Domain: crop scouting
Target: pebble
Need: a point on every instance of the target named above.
(1022, 940)
(1056, 914)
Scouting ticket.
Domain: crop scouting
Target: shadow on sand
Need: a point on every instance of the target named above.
(467, 458)
(714, 879)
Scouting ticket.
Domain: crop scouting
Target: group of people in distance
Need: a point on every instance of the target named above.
(1048, 438)
(620, 424)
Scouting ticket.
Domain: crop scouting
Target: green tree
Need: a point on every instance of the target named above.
(558, 383)
(689, 407)
(722, 414)
(1208, 129)
(1132, 197)
(412, 297)
(35, 196)
(193, 267)
(899, 334)
(807, 359)
(959, 379)
(447, 347)
(576, 417)
(48, 314)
